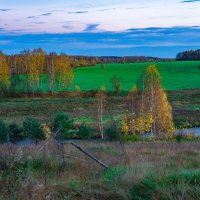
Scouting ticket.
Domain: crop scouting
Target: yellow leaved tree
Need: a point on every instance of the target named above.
(64, 72)
(154, 103)
(4, 72)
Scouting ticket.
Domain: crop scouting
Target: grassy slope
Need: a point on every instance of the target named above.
(175, 76)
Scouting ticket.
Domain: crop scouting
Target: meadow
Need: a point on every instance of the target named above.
(185, 106)
(175, 76)
(138, 171)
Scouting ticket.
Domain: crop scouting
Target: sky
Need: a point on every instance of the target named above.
(157, 28)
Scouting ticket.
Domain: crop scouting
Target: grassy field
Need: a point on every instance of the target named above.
(175, 76)
(185, 104)
(147, 171)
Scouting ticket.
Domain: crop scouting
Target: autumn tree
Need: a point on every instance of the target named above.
(39, 56)
(34, 73)
(100, 104)
(51, 60)
(64, 72)
(132, 100)
(154, 103)
(4, 72)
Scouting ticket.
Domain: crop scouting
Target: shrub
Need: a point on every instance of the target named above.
(84, 132)
(77, 88)
(112, 133)
(62, 121)
(116, 83)
(33, 129)
(131, 138)
(3, 131)
(103, 66)
(15, 132)
(179, 137)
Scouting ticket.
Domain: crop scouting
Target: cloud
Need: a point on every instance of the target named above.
(103, 10)
(189, 1)
(78, 12)
(152, 41)
(47, 14)
(39, 22)
(67, 27)
(2, 29)
(91, 27)
(2, 42)
(31, 17)
(4, 9)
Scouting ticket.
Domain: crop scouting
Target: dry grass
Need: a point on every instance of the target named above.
(26, 174)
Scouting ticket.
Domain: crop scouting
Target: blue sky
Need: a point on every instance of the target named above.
(96, 27)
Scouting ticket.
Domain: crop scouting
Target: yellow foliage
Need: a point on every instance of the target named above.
(125, 127)
(77, 88)
(148, 121)
(63, 71)
(131, 124)
(139, 126)
(4, 71)
(47, 131)
(189, 136)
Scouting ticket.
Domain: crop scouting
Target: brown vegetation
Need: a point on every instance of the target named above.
(24, 174)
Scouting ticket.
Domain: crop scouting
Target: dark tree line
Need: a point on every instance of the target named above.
(188, 55)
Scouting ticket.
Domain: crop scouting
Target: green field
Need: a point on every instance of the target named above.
(175, 76)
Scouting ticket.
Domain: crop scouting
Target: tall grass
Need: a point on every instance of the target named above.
(155, 171)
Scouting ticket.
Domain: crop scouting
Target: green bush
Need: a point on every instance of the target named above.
(15, 132)
(3, 132)
(33, 129)
(179, 137)
(173, 185)
(112, 133)
(62, 121)
(131, 138)
(84, 132)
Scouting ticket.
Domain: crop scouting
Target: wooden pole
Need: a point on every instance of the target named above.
(90, 156)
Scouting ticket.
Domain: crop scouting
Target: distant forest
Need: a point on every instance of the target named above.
(188, 55)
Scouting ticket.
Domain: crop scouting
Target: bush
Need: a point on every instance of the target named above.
(103, 66)
(84, 132)
(15, 132)
(131, 138)
(112, 133)
(62, 121)
(3, 132)
(33, 129)
(116, 84)
(185, 137)
(179, 137)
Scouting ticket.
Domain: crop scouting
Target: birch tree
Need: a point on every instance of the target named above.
(64, 72)
(156, 103)
(101, 101)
